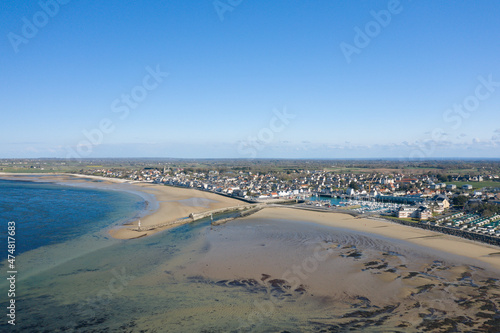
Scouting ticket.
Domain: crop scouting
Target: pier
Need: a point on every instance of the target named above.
(198, 216)
(243, 209)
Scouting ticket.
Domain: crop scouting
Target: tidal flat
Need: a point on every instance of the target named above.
(277, 270)
(261, 275)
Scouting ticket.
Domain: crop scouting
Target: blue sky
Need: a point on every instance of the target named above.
(422, 81)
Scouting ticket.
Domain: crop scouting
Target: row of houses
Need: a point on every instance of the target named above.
(476, 223)
(397, 187)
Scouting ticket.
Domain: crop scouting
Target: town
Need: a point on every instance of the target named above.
(458, 197)
(469, 202)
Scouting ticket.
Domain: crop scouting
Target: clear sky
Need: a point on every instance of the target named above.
(245, 79)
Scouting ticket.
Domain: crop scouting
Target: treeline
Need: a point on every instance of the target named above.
(483, 208)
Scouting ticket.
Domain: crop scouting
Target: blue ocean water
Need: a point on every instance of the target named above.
(48, 213)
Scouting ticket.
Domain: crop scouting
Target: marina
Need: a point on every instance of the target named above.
(357, 205)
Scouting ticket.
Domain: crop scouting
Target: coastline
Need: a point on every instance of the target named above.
(366, 271)
(166, 204)
(176, 204)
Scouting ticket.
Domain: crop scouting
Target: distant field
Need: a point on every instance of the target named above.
(354, 170)
(12, 170)
(348, 170)
(477, 185)
(21, 170)
(461, 171)
(365, 170)
(46, 169)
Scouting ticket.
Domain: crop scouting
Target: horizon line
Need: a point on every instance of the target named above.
(256, 159)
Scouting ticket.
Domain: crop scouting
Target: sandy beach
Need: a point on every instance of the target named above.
(178, 203)
(173, 203)
(454, 245)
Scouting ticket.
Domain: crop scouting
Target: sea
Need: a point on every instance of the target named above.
(250, 275)
(47, 213)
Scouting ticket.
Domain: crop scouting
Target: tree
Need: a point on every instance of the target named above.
(354, 186)
(442, 178)
(460, 200)
(484, 209)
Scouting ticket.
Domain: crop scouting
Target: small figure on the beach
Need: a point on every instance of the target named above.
(139, 224)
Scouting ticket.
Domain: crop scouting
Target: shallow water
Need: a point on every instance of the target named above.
(47, 213)
(247, 275)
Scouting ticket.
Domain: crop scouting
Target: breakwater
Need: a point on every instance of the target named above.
(243, 209)
(198, 216)
(242, 213)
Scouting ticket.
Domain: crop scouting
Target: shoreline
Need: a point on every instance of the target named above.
(173, 204)
(177, 204)
(176, 207)
(343, 269)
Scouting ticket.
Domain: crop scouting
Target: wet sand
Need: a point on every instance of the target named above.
(438, 241)
(341, 276)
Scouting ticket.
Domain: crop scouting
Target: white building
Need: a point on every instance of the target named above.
(350, 191)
